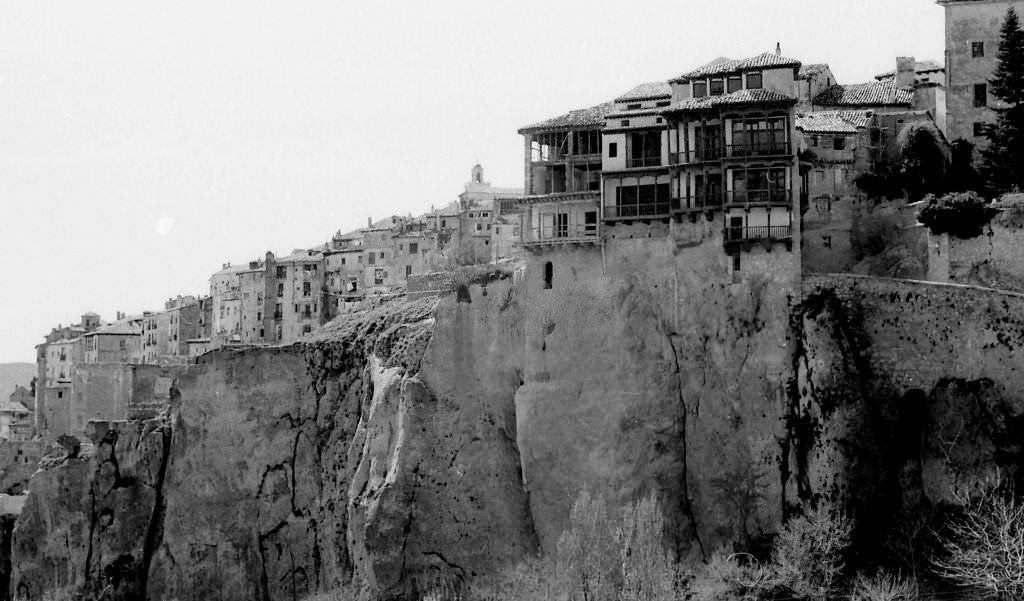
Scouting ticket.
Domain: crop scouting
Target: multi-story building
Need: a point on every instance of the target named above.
(55, 363)
(253, 283)
(972, 39)
(118, 342)
(301, 292)
(635, 161)
(730, 133)
(165, 333)
(481, 208)
(225, 324)
(562, 160)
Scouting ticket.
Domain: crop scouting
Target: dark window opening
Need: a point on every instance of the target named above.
(980, 95)
(978, 129)
(736, 262)
(613, 150)
(663, 103)
(977, 49)
(624, 123)
(754, 81)
(632, 107)
(282, 271)
(717, 87)
(734, 83)
(839, 143)
(700, 89)
(646, 199)
(549, 274)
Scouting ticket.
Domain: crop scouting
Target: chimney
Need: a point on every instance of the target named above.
(369, 222)
(778, 49)
(905, 72)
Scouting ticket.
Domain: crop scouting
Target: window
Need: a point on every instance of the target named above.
(632, 107)
(549, 274)
(624, 123)
(977, 49)
(734, 83)
(839, 143)
(980, 94)
(382, 255)
(343, 260)
(280, 289)
(717, 87)
(400, 247)
(979, 129)
(613, 150)
(700, 89)
(414, 248)
(754, 81)
(259, 317)
(408, 270)
(297, 308)
(307, 329)
(282, 271)
(736, 262)
(662, 103)
(444, 223)
(826, 241)
(590, 223)
(814, 141)
(371, 258)
(479, 227)
(306, 288)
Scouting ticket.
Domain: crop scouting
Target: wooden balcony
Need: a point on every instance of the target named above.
(758, 149)
(779, 197)
(561, 235)
(746, 236)
(644, 212)
(643, 162)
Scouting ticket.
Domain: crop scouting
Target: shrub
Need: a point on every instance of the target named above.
(983, 548)
(884, 587)
(961, 214)
(587, 561)
(648, 570)
(723, 578)
(808, 555)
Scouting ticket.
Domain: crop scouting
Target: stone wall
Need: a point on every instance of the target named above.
(992, 259)
(903, 391)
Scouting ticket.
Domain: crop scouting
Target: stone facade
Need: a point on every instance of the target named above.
(972, 38)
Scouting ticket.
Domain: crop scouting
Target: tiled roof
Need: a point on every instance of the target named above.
(875, 93)
(832, 122)
(301, 256)
(120, 328)
(644, 91)
(812, 70)
(589, 117)
(926, 66)
(735, 98)
(636, 113)
(761, 61)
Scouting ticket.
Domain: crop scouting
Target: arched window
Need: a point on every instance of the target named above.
(549, 274)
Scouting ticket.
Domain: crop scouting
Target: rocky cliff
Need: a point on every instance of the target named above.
(418, 444)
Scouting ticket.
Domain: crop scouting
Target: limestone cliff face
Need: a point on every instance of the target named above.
(903, 392)
(420, 443)
(384, 449)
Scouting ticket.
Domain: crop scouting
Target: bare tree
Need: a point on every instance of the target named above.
(808, 555)
(648, 570)
(984, 546)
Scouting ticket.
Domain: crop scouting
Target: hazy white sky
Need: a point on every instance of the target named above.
(143, 144)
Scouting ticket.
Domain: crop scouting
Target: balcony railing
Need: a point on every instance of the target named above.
(640, 211)
(710, 153)
(774, 196)
(636, 162)
(699, 202)
(758, 149)
(567, 234)
(758, 232)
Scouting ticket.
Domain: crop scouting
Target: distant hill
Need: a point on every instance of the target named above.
(15, 374)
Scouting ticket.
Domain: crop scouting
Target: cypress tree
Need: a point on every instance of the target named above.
(1005, 153)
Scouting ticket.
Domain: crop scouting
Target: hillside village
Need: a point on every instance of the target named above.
(769, 148)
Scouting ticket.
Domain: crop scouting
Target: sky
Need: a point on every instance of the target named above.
(144, 144)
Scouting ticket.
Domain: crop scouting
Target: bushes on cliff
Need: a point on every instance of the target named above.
(983, 548)
(961, 214)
